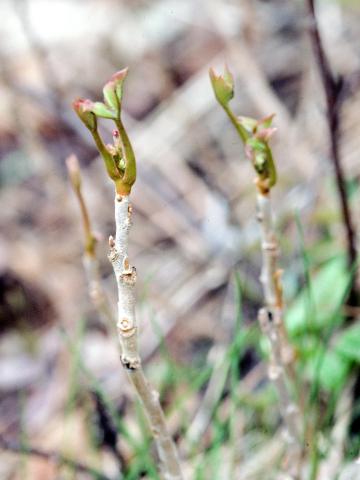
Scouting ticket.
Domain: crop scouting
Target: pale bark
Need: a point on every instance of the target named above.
(128, 335)
(272, 323)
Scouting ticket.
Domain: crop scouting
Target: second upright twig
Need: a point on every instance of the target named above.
(255, 136)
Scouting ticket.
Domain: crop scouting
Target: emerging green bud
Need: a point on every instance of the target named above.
(255, 134)
(223, 86)
(119, 158)
(83, 108)
(258, 151)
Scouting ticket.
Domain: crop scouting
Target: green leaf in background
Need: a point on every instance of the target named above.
(328, 288)
(329, 368)
(348, 343)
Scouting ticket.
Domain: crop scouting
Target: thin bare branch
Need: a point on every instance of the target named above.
(333, 88)
(50, 456)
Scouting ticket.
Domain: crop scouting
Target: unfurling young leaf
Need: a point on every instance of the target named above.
(113, 91)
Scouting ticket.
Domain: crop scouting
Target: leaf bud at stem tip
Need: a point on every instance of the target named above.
(84, 109)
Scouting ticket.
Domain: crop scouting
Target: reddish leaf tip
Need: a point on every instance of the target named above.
(120, 75)
(82, 105)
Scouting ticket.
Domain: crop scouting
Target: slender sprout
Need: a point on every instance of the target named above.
(120, 164)
(91, 264)
(255, 136)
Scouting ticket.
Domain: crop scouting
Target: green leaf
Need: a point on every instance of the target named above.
(328, 289)
(118, 79)
(101, 110)
(110, 97)
(348, 343)
(329, 368)
(113, 90)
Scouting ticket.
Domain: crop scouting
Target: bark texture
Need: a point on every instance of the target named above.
(128, 335)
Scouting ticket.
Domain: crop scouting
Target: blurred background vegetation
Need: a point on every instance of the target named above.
(195, 240)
